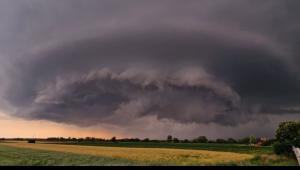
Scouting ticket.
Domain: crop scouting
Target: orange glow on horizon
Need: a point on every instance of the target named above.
(14, 127)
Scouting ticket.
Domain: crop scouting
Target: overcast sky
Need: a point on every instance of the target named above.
(145, 68)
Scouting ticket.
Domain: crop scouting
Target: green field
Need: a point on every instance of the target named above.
(236, 148)
(136, 154)
(10, 156)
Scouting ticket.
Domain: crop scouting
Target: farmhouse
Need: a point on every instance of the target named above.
(262, 141)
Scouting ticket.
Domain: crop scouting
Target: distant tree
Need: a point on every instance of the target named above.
(269, 142)
(176, 140)
(31, 141)
(123, 140)
(90, 139)
(201, 139)
(113, 139)
(252, 140)
(155, 141)
(100, 140)
(231, 140)
(185, 141)
(136, 140)
(146, 140)
(169, 138)
(221, 141)
(244, 140)
(51, 139)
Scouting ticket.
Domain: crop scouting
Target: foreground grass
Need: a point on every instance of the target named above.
(262, 156)
(10, 156)
(271, 160)
(57, 154)
(144, 156)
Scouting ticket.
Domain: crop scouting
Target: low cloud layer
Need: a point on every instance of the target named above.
(111, 63)
(185, 96)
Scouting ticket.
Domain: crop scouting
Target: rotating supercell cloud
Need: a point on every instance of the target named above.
(139, 66)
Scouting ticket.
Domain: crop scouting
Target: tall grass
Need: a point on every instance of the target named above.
(144, 155)
(74, 155)
(237, 148)
(10, 156)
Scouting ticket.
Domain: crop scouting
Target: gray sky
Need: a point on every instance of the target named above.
(219, 68)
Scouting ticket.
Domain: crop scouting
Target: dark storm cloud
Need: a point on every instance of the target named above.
(185, 96)
(224, 62)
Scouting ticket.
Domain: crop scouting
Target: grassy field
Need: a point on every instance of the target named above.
(236, 148)
(122, 154)
(10, 156)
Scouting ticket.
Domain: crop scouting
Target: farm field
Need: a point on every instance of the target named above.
(21, 153)
(236, 148)
(11, 156)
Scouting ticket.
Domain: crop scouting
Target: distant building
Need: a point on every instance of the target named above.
(260, 142)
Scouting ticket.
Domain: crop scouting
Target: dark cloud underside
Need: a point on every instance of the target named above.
(206, 62)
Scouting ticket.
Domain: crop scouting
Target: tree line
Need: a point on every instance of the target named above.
(287, 136)
(169, 139)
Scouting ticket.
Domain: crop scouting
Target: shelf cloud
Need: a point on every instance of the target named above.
(112, 63)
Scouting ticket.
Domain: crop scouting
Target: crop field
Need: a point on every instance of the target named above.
(236, 148)
(11, 156)
(20, 153)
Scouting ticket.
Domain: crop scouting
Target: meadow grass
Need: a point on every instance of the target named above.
(146, 156)
(10, 156)
(236, 148)
(57, 154)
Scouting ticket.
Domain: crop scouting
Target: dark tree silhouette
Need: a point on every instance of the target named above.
(113, 139)
(169, 138)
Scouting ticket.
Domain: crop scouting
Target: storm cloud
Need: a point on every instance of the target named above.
(195, 63)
